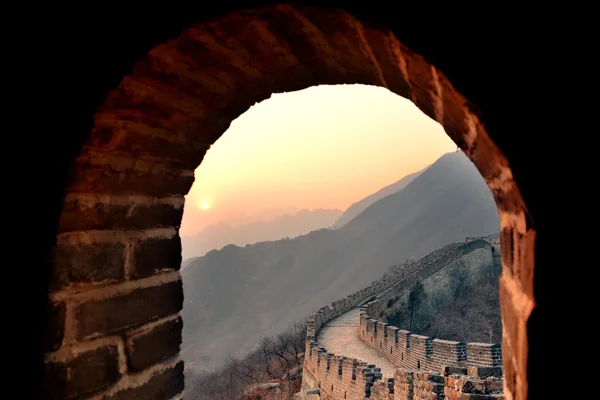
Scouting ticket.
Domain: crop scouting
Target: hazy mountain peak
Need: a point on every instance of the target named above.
(362, 204)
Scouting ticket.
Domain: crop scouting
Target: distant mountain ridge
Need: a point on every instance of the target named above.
(287, 225)
(236, 295)
(361, 205)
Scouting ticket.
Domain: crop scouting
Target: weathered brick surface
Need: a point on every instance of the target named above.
(484, 354)
(131, 309)
(87, 372)
(345, 48)
(80, 217)
(469, 388)
(146, 346)
(149, 141)
(451, 384)
(421, 81)
(386, 50)
(87, 263)
(161, 386)
(132, 103)
(455, 112)
(342, 377)
(404, 385)
(55, 326)
(313, 52)
(128, 176)
(153, 255)
(185, 94)
(383, 390)
(485, 372)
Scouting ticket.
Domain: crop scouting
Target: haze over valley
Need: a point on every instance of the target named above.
(287, 225)
(240, 294)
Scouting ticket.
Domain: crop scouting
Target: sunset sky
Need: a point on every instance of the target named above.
(322, 147)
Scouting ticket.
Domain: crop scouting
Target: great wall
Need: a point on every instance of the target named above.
(351, 353)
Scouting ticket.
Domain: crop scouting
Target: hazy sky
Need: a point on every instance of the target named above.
(322, 147)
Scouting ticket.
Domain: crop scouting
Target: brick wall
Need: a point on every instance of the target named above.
(115, 276)
(115, 298)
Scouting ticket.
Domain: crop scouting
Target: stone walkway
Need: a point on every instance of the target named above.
(340, 336)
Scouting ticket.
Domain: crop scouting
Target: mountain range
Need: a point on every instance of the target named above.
(287, 225)
(236, 295)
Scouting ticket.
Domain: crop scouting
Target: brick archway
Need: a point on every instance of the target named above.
(115, 289)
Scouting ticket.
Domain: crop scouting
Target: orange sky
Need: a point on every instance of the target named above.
(322, 147)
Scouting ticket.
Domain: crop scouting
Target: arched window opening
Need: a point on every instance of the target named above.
(116, 288)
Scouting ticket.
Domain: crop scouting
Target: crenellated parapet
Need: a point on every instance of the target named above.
(408, 277)
(494, 240)
(410, 350)
(452, 383)
(340, 377)
(334, 376)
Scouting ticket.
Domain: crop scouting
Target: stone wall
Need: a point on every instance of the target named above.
(330, 376)
(446, 257)
(440, 284)
(346, 378)
(494, 240)
(341, 377)
(409, 350)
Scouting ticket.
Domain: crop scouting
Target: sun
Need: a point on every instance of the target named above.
(204, 204)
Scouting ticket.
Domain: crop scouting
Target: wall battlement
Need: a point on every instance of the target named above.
(341, 377)
(338, 377)
(494, 240)
(410, 350)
